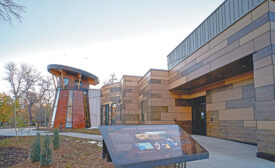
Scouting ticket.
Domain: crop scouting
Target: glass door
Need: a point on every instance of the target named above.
(199, 116)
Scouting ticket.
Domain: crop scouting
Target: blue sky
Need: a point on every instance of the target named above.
(101, 36)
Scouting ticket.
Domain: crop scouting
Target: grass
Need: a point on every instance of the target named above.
(82, 130)
(5, 142)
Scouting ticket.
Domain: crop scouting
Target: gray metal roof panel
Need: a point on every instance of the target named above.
(74, 70)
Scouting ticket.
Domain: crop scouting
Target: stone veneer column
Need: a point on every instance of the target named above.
(264, 75)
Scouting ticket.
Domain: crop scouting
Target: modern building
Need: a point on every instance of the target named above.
(219, 82)
(71, 107)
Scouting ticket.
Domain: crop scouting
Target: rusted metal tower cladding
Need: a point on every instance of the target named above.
(71, 107)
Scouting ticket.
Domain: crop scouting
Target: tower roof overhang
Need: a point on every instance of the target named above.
(57, 69)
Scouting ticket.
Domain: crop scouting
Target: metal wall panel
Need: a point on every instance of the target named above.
(223, 17)
(94, 106)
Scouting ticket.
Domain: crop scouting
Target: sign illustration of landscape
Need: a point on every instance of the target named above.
(150, 145)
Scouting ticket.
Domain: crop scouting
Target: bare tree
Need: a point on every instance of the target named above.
(15, 78)
(112, 79)
(31, 79)
(36, 95)
(10, 9)
(49, 96)
(48, 100)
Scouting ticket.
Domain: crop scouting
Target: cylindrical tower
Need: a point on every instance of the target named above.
(71, 107)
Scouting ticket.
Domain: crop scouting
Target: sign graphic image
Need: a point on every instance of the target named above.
(144, 146)
(159, 139)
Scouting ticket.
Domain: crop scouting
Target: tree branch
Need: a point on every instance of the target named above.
(9, 10)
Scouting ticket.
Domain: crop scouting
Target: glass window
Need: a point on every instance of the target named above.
(101, 115)
(70, 100)
(66, 82)
(113, 114)
(69, 117)
(76, 84)
(106, 114)
(58, 83)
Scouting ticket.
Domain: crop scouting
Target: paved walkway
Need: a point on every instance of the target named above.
(228, 154)
(32, 132)
(223, 153)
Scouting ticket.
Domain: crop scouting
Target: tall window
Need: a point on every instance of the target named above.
(69, 116)
(113, 114)
(106, 114)
(58, 82)
(101, 114)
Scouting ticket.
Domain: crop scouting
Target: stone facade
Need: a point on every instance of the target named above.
(129, 100)
(264, 83)
(235, 71)
(110, 94)
(230, 111)
(146, 100)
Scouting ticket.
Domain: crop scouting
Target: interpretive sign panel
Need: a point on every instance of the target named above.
(150, 145)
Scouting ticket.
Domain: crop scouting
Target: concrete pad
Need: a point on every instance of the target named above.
(228, 154)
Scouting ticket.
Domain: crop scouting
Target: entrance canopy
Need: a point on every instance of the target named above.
(241, 66)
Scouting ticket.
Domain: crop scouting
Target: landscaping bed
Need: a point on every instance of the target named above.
(73, 152)
(11, 155)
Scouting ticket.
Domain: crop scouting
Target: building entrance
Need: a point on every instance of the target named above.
(199, 116)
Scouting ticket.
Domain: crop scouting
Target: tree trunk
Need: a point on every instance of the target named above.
(30, 114)
(15, 119)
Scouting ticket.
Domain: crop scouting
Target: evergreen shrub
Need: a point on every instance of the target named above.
(35, 149)
(56, 139)
(46, 154)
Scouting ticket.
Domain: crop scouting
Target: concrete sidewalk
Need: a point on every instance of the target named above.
(32, 132)
(228, 154)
